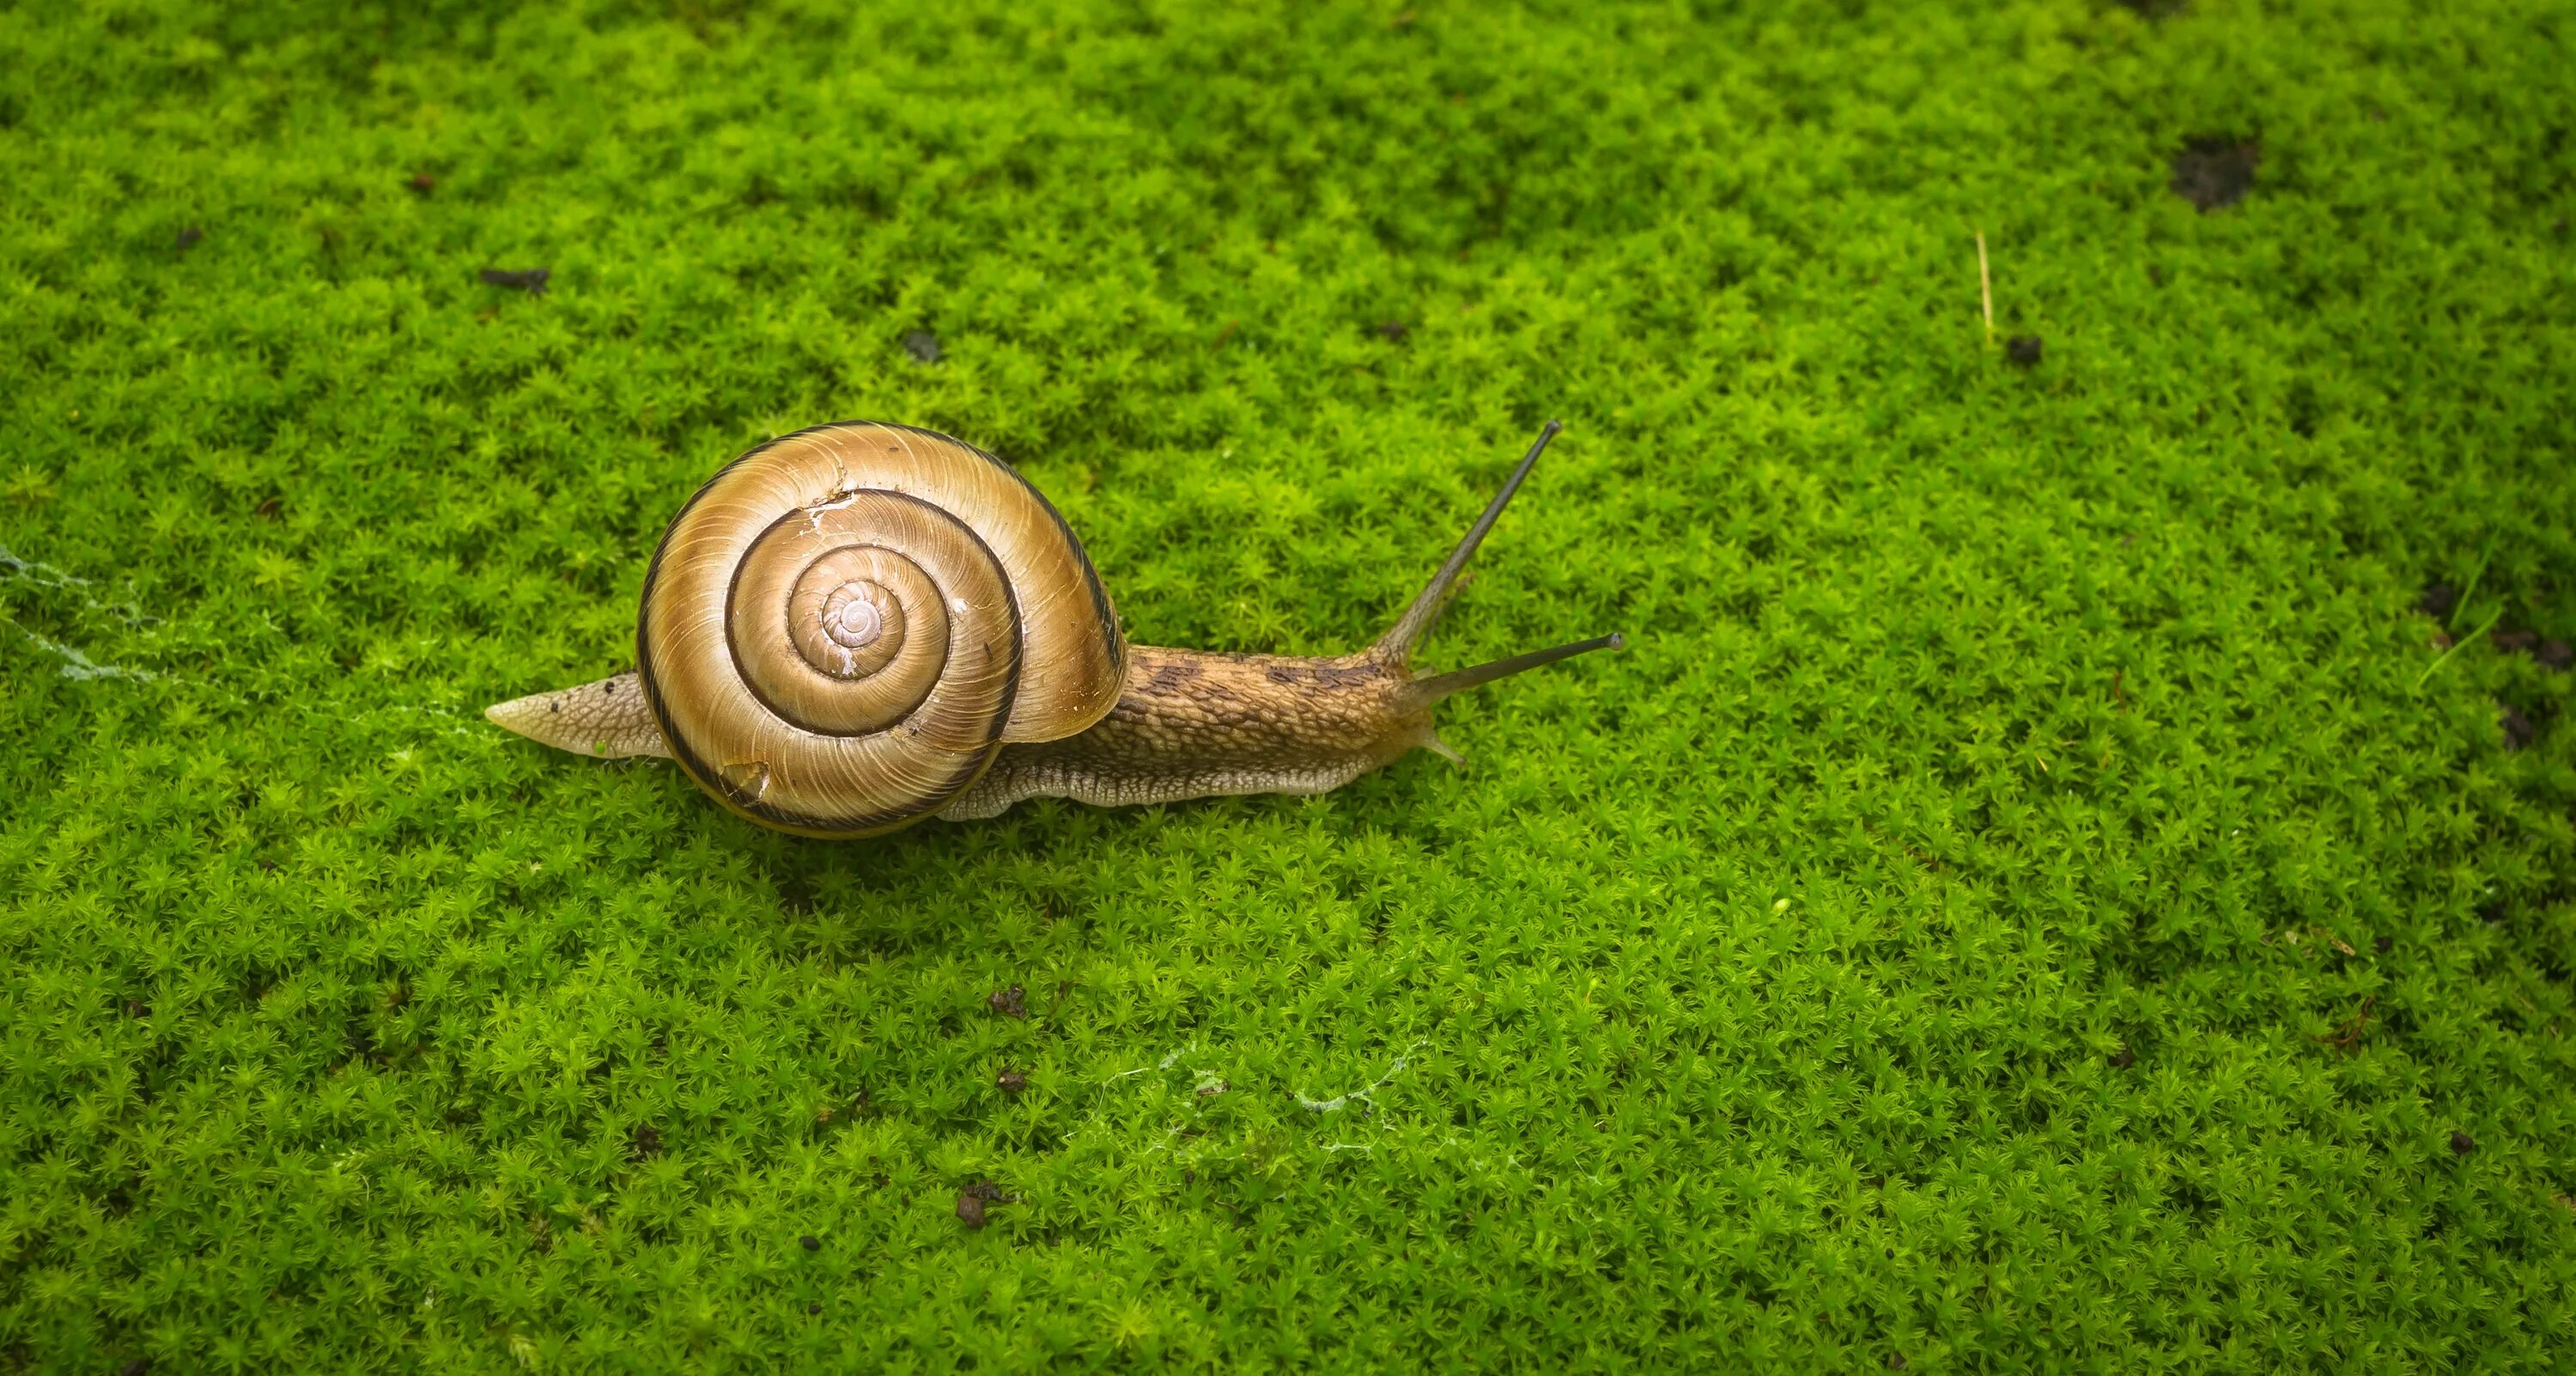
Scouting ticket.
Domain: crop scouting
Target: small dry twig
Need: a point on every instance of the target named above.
(2349, 1035)
(1985, 286)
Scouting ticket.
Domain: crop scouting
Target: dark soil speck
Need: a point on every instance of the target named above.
(2517, 728)
(646, 1142)
(922, 345)
(2124, 1058)
(2438, 600)
(2214, 172)
(1393, 331)
(810, 1243)
(2517, 642)
(188, 238)
(529, 280)
(2555, 654)
(1011, 1081)
(2384, 945)
(422, 181)
(2461, 1145)
(1011, 1002)
(2022, 350)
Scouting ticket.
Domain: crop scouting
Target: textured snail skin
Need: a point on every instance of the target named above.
(1197, 725)
(860, 625)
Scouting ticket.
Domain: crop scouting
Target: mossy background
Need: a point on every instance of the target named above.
(2031, 895)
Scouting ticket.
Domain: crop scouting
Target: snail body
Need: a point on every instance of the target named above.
(857, 626)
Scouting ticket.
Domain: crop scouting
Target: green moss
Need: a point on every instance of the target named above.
(2020, 901)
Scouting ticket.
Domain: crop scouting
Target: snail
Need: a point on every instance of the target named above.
(857, 626)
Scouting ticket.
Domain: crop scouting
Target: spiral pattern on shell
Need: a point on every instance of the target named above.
(842, 628)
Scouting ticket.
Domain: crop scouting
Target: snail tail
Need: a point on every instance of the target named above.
(609, 719)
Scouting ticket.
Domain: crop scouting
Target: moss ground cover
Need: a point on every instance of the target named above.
(2034, 893)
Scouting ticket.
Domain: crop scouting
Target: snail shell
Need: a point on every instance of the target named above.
(845, 625)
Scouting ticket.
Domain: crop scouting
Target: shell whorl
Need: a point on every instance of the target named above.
(844, 625)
